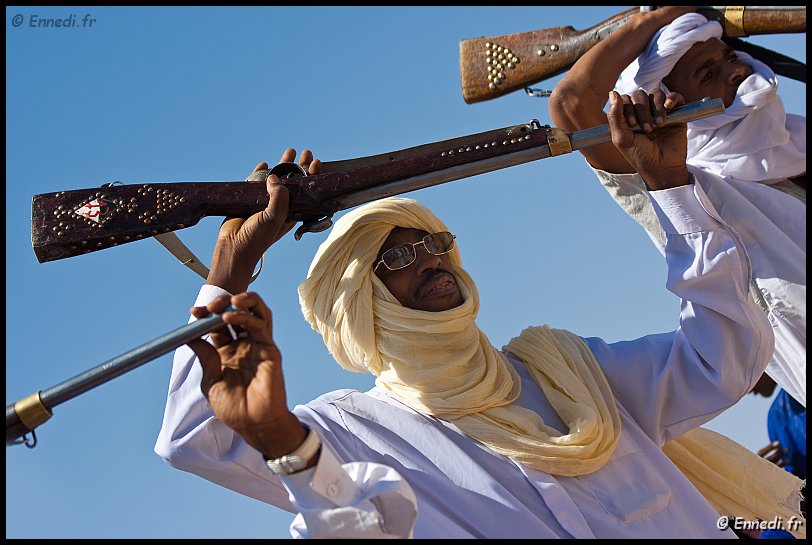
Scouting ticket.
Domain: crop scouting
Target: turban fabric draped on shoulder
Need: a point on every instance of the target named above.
(754, 140)
(441, 364)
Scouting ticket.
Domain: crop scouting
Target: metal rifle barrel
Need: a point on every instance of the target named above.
(579, 139)
(28, 413)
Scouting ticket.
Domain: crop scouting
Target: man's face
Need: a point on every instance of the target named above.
(428, 283)
(709, 69)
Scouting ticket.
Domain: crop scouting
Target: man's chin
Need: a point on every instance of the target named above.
(444, 302)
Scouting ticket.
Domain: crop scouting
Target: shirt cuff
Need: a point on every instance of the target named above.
(209, 293)
(680, 212)
(326, 482)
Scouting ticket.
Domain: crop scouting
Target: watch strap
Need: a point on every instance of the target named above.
(299, 458)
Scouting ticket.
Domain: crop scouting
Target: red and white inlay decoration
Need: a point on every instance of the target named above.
(96, 210)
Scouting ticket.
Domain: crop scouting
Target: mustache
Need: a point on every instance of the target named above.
(431, 275)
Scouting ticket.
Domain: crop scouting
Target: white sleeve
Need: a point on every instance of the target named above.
(333, 500)
(353, 500)
(673, 382)
(192, 439)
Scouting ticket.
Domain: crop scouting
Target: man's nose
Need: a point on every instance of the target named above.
(737, 73)
(425, 260)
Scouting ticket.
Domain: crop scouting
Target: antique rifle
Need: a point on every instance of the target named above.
(494, 66)
(75, 222)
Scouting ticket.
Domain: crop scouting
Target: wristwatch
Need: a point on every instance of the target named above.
(298, 459)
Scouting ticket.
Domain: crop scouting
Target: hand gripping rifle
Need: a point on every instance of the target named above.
(70, 223)
(494, 66)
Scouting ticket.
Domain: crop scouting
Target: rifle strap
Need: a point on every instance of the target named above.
(780, 64)
(177, 248)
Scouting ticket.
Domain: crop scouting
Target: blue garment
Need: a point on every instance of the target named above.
(776, 534)
(786, 423)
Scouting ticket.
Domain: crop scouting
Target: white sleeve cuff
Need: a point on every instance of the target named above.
(327, 480)
(209, 293)
(680, 212)
(352, 500)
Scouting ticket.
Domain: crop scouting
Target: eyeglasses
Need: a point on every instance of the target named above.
(404, 255)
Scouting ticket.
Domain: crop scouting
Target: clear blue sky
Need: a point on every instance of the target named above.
(147, 95)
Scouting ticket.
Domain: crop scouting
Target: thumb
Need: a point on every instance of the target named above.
(210, 363)
(267, 224)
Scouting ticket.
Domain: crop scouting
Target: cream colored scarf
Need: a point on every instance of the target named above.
(441, 364)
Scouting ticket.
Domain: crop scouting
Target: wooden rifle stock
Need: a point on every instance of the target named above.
(69, 223)
(494, 66)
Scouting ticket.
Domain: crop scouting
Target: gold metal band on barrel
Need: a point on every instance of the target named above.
(558, 141)
(31, 411)
(734, 21)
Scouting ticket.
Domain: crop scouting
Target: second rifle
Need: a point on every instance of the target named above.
(494, 66)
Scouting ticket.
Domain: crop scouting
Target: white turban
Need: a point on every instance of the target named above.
(754, 140)
(667, 46)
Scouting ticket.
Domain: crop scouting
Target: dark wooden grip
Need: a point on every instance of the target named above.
(69, 223)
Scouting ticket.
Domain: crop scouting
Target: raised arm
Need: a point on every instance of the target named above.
(193, 436)
(578, 100)
(685, 378)
(227, 410)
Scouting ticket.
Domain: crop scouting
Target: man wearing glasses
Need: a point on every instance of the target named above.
(552, 436)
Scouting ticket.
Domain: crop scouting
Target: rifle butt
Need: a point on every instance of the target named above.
(494, 66)
(69, 223)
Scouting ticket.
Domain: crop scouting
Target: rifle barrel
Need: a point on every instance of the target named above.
(579, 140)
(25, 415)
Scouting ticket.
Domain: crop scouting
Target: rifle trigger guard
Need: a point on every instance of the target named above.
(288, 170)
(316, 226)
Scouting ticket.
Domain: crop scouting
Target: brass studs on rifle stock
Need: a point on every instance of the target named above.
(498, 60)
(542, 52)
(165, 201)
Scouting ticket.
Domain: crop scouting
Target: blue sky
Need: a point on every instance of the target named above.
(159, 94)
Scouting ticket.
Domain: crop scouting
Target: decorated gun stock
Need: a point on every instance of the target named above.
(494, 66)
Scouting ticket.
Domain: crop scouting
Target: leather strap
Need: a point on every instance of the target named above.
(171, 242)
(177, 248)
